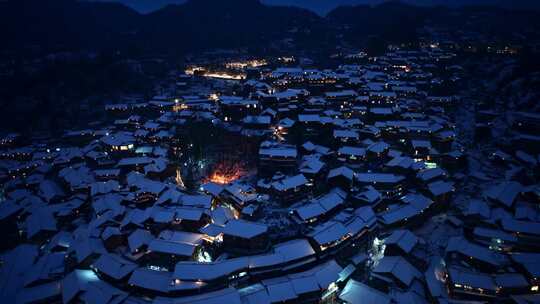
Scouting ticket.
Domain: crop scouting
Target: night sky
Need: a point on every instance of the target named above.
(324, 6)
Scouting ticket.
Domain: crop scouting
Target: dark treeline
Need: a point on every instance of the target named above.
(66, 93)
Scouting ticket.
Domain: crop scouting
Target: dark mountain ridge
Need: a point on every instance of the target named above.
(57, 25)
(323, 7)
(191, 26)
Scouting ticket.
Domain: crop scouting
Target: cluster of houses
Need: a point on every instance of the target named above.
(355, 159)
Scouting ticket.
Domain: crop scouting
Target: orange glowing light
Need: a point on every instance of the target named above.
(226, 173)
